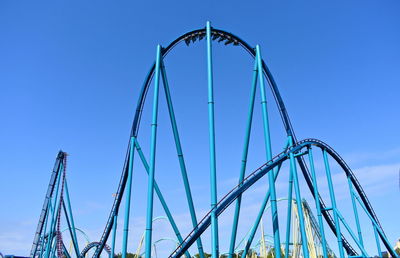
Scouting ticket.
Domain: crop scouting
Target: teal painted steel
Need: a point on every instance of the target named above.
(211, 129)
(128, 198)
(261, 211)
(114, 232)
(71, 230)
(244, 159)
(317, 204)
(289, 213)
(333, 203)
(75, 239)
(353, 201)
(50, 210)
(150, 188)
(295, 154)
(53, 220)
(351, 233)
(161, 197)
(378, 245)
(180, 156)
(247, 183)
(53, 248)
(293, 171)
(228, 38)
(267, 138)
(376, 226)
(258, 219)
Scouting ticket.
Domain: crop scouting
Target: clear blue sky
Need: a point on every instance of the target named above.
(70, 74)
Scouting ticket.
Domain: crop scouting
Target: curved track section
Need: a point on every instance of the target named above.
(254, 177)
(93, 245)
(188, 38)
(229, 38)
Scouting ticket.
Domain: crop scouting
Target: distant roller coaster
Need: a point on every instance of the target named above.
(350, 237)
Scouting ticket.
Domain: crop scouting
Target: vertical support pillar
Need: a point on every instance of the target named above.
(267, 138)
(353, 201)
(213, 166)
(54, 214)
(180, 156)
(150, 188)
(128, 198)
(333, 203)
(75, 239)
(71, 229)
(114, 232)
(49, 209)
(289, 213)
(293, 168)
(161, 198)
(317, 203)
(364, 253)
(259, 216)
(378, 245)
(53, 247)
(378, 229)
(244, 160)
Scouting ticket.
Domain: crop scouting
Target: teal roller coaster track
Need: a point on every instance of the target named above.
(297, 154)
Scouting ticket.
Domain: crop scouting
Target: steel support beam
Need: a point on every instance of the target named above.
(213, 165)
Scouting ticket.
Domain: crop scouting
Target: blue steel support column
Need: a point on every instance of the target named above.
(244, 159)
(261, 211)
(293, 169)
(317, 203)
(180, 156)
(114, 232)
(128, 198)
(52, 237)
(333, 202)
(274, 207)
(289, 212)
(53, 247)
(71, 229)
(376, 226)
(49, 209)
(364, 253)
(353, 201)
(161, 198)
(253, 230)
(150, 188)
(54, 214)
(259, 216)
(213, 170)
(72, 218)
(378, 245)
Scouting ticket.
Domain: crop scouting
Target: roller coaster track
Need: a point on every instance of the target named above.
(229, 38)
(94, 245)
(49, 193)
(48, 238)
(189, 37)
(253, 178)
(294, 153)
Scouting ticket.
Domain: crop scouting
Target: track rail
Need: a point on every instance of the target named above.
(92, 245)
(227, 38)
(188, 38)
(49, 193)
(254, 177)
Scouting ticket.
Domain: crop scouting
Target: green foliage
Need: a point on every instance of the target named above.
(205, 255)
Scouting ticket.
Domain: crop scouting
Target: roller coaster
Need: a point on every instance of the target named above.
(349, 233)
